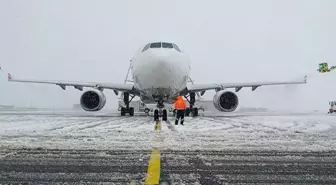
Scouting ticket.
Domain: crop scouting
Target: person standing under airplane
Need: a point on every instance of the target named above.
(180, 107)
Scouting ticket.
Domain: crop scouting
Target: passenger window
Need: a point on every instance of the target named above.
(167, 45)
(177, 48)
(145, 48)
(155, 45)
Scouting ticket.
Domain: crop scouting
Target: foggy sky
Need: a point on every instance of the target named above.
(227, 41)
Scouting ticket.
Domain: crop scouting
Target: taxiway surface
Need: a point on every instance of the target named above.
(38, 166)
(48, 147)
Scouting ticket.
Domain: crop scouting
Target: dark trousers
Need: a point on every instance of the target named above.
(179, 114)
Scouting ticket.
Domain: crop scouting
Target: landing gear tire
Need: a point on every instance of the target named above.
(122, 111)
(131, 111)
(156, 115)
(195, 112)
(127, 109)
(164, 115)
(187, 112)
(191, 109)
(147, 111)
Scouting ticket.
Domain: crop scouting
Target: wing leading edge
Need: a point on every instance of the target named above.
(239, 86)
(79, 85)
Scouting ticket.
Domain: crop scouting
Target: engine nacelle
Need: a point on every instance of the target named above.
(93, 100)
(225, 101)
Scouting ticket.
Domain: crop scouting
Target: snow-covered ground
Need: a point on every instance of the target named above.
(78, 130)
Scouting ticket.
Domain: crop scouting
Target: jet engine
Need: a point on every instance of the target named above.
(225, 101)
(93, 100)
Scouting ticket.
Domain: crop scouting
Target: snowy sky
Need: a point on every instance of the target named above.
(228, 41)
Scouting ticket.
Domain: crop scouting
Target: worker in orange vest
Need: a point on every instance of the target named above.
(180, 107)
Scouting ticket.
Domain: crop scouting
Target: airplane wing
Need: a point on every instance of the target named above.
(79, 85)
(238, 86)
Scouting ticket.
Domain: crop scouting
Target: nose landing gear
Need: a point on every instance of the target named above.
(127, 109)
(160, 112)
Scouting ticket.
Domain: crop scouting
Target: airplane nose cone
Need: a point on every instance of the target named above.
(159, 54)
(160, 57)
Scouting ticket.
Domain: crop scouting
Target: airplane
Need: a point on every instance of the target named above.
(160, 72)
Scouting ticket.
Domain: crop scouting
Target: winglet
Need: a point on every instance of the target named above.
(9, 76)
(305, 78)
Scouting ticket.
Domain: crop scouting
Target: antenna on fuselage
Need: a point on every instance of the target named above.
(126, 78)
(129, 68)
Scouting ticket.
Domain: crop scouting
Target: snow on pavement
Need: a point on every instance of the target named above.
(304, 132)
(291, 132)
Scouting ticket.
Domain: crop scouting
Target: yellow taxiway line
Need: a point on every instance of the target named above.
(158, 126)
(154, 167)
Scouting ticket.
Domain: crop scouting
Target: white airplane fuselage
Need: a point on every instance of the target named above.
(160, 74)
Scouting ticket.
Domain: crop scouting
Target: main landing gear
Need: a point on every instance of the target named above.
(191, 109)
(127, 109)
(160, 112)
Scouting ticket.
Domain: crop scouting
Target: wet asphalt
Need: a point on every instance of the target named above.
(40, 166)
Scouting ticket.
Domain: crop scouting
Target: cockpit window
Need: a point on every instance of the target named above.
(161, 44)
(177, 48)
(155, 45)
(167, 45)
(145, 48)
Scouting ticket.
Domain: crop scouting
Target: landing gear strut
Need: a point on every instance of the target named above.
(191, 109)
(160, 112)
(127, 109)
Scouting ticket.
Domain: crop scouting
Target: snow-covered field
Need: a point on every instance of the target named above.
(78, 130)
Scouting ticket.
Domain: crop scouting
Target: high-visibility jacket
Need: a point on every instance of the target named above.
(180, 104)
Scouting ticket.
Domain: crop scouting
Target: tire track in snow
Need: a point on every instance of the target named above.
(30, 126)
(87, 124)
(67, 125)
(95, 124)
(104, 121)
(170, 125)
(130, 122)
(253, 125)
(229, 122)
(296, 125)
(8, 119)
(261, 124)
(174, 138)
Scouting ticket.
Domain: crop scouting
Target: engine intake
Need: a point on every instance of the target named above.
(225, 101)
(93, 100)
